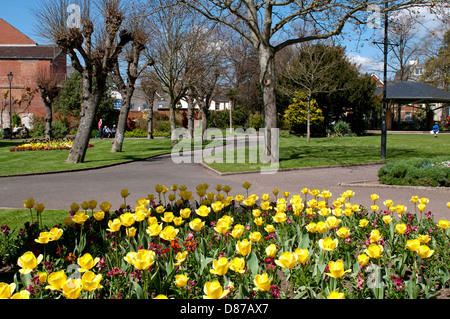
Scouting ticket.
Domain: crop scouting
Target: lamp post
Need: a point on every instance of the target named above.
(10, 78)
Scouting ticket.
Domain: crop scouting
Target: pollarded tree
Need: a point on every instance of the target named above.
(268, 25)
(92, 34)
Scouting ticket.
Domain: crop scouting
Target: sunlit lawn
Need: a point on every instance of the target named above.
(46, 161)
(296, 152)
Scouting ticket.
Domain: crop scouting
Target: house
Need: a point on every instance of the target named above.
(23, 57)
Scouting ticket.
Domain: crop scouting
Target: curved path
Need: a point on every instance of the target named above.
(59, 190)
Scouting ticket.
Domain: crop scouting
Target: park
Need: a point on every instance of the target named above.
(282, 187)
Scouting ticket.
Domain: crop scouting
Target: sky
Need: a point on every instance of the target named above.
(360, 50)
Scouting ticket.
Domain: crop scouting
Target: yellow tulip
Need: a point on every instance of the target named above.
(424, 200)
(99, 215)
(196, 224)
(169, 233)
(321, 227)
(425, 252)
(237, 231)
(401, 228)
(279, 217)
(42, 277)
(374, 251)
(325, 211)
(220, 266)
(29, 203)
(237, 265)
(363, 223)
(105, 207)
(181, 280)
(246, 185)
(86, 262)
(44, 238)
(249, 201)
(413, 244)
(336, 269)
(180, 257)
(269, 228)
(217, 206)
(265, 205)
(287, 260)
(6, 290)
(315, 192)
(39, 208)
(262, 282)
(415, 199)
(68, 221)
(424, 239)
(388, 203)
(375, 236)
(127, 219)
(80, 217)
(142, 259)
(72, 289)
(343, 232)
(91, 282)
(421, 207)
(160, 209)
(185, 213)
(311, 227)
(85, 205)
(56, 280)
(178, 221)
(168, 217)
(443, 224)
(74, 207)
(363, 260)
(302, 255)
(213, 290)
(92, 204)
(130, 232)
(239, 198)
(24, 294)
(374, 197)
(222, 226)
(255, 236)
(243, 247)
(271, 250)
(124, 193)
(28, 261)
(56, 233)
(336, 295)
(328, 244)
(114, 225)
(305, 191)
(258, 221)
(160, 296)
(387, 219)
(374, 208)
(448, 204)
(203, 211)
(332, 222)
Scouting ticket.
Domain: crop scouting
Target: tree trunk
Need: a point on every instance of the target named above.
(89, 107)
(122, 123)
(150, 122)
(267, 80)
(191, 110)
(308, 120)
(173, 123)
(231, 107)
(48, 120)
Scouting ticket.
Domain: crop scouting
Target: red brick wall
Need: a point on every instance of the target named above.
(10, 35)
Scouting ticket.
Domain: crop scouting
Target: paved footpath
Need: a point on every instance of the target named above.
(59, 190)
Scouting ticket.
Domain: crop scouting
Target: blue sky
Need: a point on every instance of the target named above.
(19, 14)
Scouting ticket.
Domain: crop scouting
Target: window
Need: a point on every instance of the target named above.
(160, 106)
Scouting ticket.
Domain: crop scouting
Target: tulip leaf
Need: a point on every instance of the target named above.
(138, 290)
(253, 263)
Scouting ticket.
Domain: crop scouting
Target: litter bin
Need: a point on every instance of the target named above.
(7, 133)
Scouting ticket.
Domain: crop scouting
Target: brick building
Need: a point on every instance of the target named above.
(24, 58)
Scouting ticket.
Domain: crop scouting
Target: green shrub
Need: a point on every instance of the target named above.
(257, 120)
(416, 172)
(342, 128)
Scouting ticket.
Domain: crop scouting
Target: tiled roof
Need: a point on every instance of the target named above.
(38, 52)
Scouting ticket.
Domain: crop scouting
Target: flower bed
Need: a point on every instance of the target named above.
(217, 245)
(46, 145)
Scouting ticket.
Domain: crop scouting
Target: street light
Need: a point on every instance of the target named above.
(10, 78)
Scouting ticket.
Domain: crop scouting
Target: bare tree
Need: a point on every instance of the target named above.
(149, 87)
(267, 24)
(49, 88)
(93, 47)
(140, 34)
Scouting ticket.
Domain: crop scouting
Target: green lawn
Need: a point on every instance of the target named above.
(296, 152)
(15, 218)
(46, 161)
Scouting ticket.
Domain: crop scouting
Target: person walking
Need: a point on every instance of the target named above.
(100, 126)
(435, 129)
